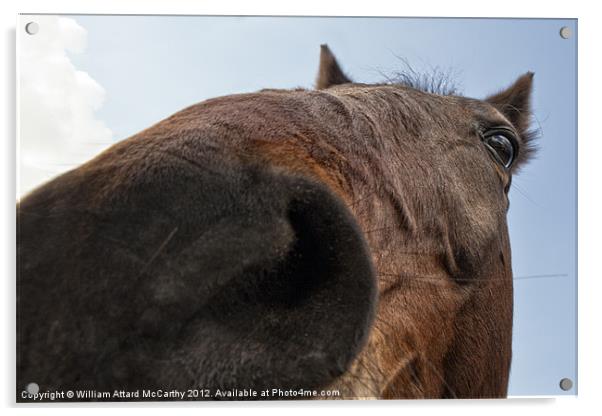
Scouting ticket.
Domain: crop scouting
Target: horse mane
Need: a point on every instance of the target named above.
(432, 80)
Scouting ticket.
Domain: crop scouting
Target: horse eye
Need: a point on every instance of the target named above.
(502, 146)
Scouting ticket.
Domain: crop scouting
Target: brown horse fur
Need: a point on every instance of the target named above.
(351, 237)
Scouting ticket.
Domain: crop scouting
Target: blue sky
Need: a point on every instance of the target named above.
(150, 67)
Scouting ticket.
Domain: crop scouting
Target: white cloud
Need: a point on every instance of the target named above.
(58, 127)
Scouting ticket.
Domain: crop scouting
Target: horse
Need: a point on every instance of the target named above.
(348, 238)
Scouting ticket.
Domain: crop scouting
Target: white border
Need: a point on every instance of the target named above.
(589, 201)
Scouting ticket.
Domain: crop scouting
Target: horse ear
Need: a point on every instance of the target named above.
(515, 102)
(329, 73)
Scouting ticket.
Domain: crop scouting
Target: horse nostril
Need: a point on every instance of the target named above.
(302, 305)
(282, 295)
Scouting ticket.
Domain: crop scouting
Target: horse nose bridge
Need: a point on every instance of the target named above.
(306, 156)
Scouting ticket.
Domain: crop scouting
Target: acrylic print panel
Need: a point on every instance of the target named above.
(222, 208)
